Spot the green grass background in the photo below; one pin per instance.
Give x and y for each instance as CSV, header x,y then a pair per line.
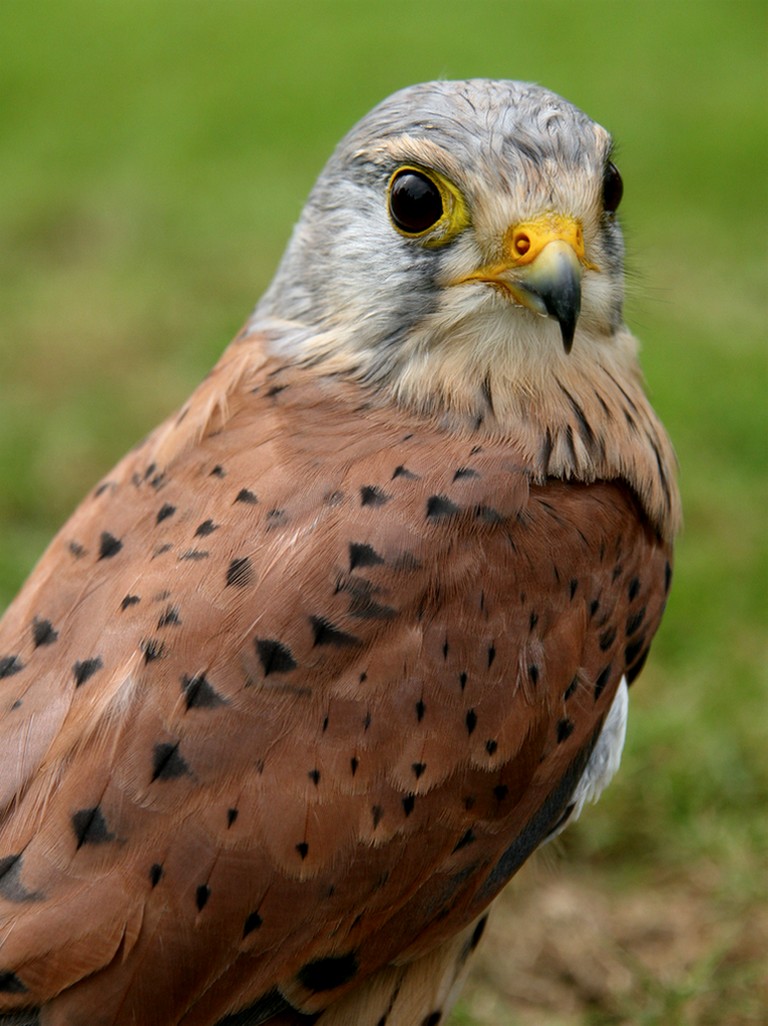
x,y
153,157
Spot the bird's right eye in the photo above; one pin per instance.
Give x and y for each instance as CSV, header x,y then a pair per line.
x,y
415,201
613,188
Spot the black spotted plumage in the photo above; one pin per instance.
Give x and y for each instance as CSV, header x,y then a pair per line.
x,y
314,670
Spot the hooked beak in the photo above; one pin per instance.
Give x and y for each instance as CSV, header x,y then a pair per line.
x,y
541,268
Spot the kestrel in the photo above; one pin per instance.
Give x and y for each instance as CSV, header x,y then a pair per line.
x,y
312,672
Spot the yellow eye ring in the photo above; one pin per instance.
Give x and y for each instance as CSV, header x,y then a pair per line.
x,y
425,205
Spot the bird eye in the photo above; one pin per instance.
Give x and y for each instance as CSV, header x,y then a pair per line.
x,y
613,187
415,202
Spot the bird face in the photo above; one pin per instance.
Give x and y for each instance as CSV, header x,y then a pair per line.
x,y
464,230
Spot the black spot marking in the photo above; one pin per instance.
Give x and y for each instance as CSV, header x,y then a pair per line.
x,y
571,688
464,840
632,672
363,607
11,984
200,693
633,650
541,822
582,424
618,570
491,655
594,605
533,620
11,887
376,815
573,586
491,745
207,527
43,632
361,554
432,1019
464,472
302,849
275,390
634,622
155,874
76,549
607,638
218,471
471,720
408,803
500,792
170,617
633,589
246,496
165,511
193,555
276,518
324,974
109,546
602,679
462,680
546,450
326,634
564,730
275,656
446,649
269,1005
314,776
354,762
420,710
152,649
129,600
439,506
232,815
477,933
418,769
202,894
533,673
239,572
252,922
9,665
90,827
371,495
489,515
402,471
84,670
167,763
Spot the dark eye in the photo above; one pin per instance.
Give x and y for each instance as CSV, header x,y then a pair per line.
x,y
613,188
415,202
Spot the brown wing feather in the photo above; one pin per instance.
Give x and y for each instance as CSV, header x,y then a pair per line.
x,y
292,695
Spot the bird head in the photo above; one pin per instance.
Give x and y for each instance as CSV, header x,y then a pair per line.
x,y
462,232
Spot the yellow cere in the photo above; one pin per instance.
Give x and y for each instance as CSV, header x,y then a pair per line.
x,y
524,242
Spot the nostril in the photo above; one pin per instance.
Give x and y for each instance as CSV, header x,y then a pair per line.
x,y
522,243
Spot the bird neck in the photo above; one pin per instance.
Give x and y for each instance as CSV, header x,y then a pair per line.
x,y
582,416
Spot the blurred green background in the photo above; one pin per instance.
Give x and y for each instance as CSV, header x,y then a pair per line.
x,y
153,157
